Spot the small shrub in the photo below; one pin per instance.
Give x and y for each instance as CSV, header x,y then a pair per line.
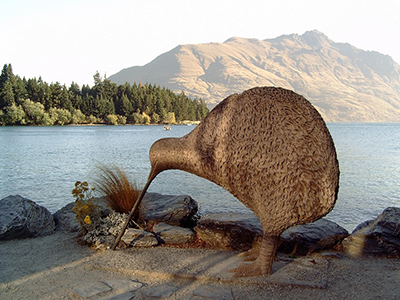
x,y
146,118
119,192
121,120
60,116
87,213
135,118
170,119
78,117
112,119
92,120
155,118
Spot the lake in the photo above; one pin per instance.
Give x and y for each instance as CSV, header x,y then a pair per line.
x,y
43,164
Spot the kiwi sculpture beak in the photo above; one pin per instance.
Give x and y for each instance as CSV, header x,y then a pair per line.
x,y
134,208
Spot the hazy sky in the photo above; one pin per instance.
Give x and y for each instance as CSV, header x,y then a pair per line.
x,y
69,40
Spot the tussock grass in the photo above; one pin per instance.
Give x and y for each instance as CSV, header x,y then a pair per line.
x,y
119,192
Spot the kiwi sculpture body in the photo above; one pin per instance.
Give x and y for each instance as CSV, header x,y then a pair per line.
x,y
271,149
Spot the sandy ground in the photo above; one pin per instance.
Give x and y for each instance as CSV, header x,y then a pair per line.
x,y
56,267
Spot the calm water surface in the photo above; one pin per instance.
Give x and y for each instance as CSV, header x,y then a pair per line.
x,y
43,163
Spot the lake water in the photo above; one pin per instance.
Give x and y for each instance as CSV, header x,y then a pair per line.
x,y
43,163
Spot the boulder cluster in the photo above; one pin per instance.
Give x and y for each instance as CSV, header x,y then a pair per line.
x,y
173,220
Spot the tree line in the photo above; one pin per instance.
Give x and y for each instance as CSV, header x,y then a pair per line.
x,y
35,102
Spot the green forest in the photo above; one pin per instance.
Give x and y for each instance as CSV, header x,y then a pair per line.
x,y
35,102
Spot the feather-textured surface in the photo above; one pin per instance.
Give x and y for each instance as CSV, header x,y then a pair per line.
x,y
270,148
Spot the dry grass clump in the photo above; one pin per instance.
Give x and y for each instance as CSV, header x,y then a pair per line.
x,y
120,193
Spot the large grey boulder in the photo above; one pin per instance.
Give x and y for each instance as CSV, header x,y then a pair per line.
x,y
380,237
23,218
155,208
237,231
319,235
174,210
363,225
65,219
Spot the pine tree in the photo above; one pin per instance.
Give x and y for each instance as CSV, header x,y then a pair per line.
x,y
7,81
44,94
75,95
19,89
65,102
33,90
55,95
6,95
98,89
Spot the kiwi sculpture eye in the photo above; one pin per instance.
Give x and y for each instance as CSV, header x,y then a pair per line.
x,y
271,149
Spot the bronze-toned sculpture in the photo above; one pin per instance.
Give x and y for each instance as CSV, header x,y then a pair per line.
x,y
271,149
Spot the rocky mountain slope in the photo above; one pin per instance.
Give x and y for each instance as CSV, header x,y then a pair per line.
x,y
344,83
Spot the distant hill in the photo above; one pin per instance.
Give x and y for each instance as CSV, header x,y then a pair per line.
x,y
344,83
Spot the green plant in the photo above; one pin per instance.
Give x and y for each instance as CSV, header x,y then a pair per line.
x,y
87,213
119,192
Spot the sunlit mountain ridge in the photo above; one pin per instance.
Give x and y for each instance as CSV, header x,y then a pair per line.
x,y
344,83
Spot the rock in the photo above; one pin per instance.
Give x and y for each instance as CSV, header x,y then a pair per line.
x,y
237,231
23,218
241,232
173,235
123,286
93,289
124,296
120,288
379,238
103,236
104,209
161,291
363,225
113,223
65,219
173,210
319,235
213,292
139,238
329,254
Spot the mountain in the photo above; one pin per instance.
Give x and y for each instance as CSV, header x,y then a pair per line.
x,y
344,83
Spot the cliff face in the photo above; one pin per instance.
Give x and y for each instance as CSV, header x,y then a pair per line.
x,y
344,83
